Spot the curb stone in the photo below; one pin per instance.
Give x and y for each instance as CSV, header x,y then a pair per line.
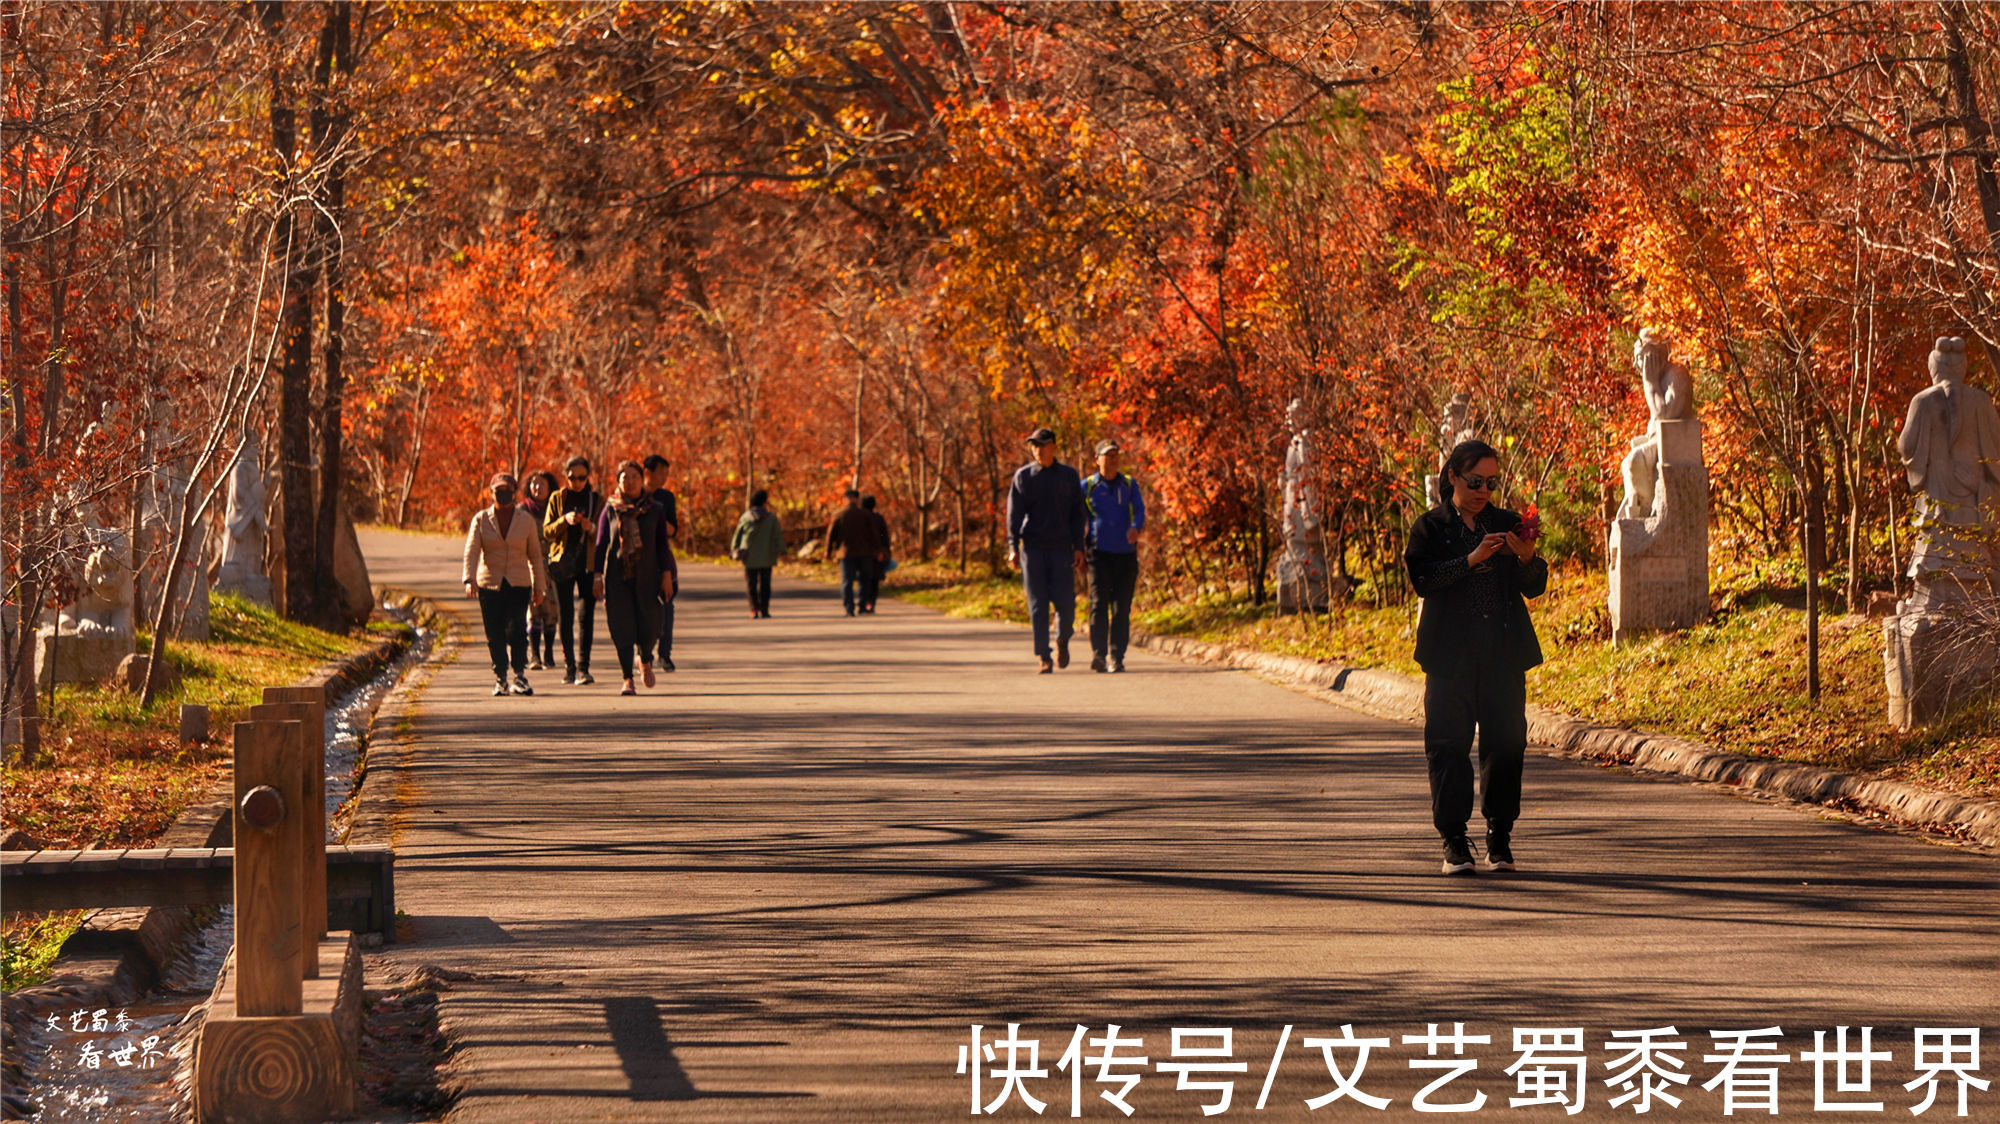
x,y
377,807
1389,694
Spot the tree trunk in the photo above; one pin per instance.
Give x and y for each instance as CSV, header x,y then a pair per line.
x,y
1812,505
330,129
296,595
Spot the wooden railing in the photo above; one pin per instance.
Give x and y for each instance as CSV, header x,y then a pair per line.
x,y
283,1027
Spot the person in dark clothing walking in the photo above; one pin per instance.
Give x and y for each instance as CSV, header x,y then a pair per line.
x,y
656,483
633,567
502,567
757,544
1473,563
543,618
852,532
1116,513
880,570
1045,528
569,532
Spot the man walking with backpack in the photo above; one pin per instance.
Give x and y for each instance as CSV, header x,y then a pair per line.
x,y
1116,513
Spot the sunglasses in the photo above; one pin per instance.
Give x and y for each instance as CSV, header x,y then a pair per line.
x,y
579,476
1481,483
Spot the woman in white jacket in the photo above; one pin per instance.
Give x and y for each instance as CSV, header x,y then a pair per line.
x,y
505,570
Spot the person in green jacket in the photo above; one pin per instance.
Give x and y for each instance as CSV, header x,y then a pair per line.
x,y
757,543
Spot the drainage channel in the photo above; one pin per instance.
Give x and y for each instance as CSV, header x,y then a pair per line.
x,y
127,1065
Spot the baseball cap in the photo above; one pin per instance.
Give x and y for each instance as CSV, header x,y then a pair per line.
x,y
1042,436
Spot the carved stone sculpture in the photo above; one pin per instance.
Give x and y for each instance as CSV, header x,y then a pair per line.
x,y
164,498
1937,651
91,636
1302,581
1659,539
1454,427
246,528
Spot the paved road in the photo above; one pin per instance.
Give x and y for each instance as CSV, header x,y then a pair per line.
x,y
784,886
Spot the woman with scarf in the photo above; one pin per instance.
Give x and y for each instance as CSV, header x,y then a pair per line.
x,y
503,568
757,543
542,617
634,568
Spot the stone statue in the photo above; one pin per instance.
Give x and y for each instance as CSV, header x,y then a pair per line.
x,y
93,634
247,526
1455,426
1659,539
1951,454
166,493
1669,397
1937,654
104,603
1302,584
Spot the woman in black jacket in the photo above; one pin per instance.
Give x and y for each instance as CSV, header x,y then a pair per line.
x,y
1475,643
634,570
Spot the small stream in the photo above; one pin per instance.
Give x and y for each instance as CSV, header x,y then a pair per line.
x,y
126,1065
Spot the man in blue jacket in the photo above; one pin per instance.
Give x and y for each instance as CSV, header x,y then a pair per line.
x,y
1045,533
1116,513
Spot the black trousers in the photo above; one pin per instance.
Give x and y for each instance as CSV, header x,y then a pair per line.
x,y
1495,700
758,578
569,592
504,612
1113,579
667,627
633,616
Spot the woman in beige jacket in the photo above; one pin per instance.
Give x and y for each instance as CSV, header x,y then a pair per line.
x,y
505,570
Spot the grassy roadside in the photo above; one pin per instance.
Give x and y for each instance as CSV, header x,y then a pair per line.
x,y
113,775
1737,683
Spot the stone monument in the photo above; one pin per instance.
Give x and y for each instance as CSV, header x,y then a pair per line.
x,y
246,528
1659,538
91,636
1454,427
1939,649
1302,582
166,494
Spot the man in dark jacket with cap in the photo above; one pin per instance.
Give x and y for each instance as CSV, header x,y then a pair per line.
x,y
1045,527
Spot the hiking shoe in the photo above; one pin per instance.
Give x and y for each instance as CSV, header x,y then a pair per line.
x,y
1097,664
1048,666
1062,654
1499,851
666,663
1117,665
1457,855
569,677
521,685
537,665
646,673
628,689
584,678
499,688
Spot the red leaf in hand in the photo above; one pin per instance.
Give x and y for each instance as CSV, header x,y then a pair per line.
x,y
1531,525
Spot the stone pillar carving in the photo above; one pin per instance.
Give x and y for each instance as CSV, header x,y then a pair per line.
x,y
246,528
1302,581
1943,645
1455,426
1659,539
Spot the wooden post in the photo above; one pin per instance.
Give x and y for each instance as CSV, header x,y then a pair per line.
x,y
312,829
315,766
270,929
